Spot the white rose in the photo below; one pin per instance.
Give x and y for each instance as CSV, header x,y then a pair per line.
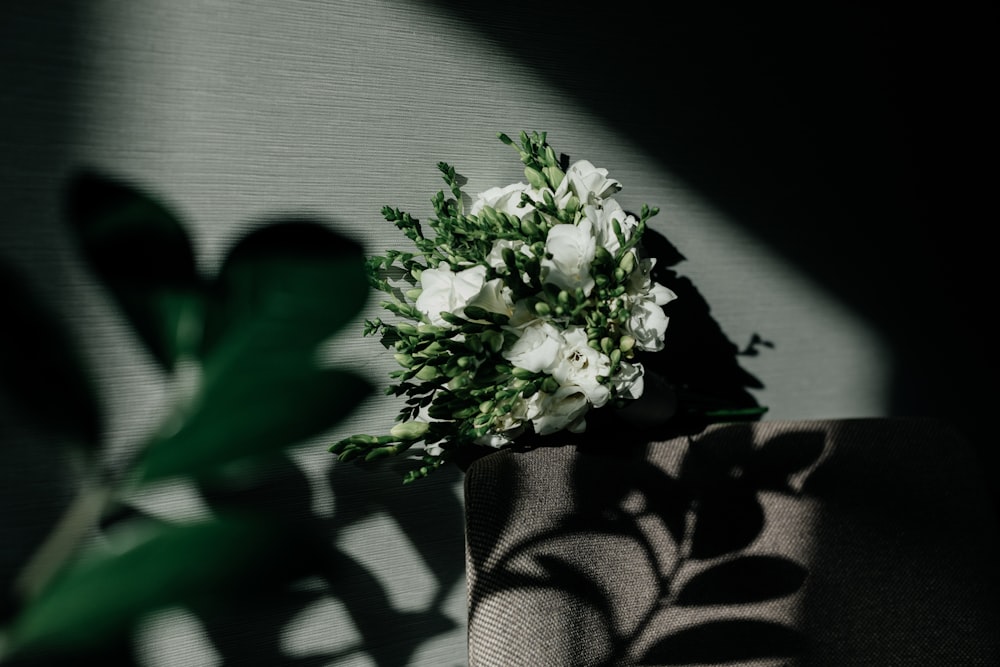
x,y
563,409
572,249
648,324
603,217
579,365
536,348
445,290
506,200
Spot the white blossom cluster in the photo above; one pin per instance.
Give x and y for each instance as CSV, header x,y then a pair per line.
x,y
519,315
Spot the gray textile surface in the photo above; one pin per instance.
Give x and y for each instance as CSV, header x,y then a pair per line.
x,y
841,542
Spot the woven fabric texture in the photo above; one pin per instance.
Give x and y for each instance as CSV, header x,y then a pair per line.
x,y
839,542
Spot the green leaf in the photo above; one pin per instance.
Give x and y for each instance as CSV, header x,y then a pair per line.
x,y
102,596
142,254
40,367
261,406
292,283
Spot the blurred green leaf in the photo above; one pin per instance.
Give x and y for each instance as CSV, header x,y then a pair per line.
x,y
40,368
143,255
254,409
101,597
289,285
281,291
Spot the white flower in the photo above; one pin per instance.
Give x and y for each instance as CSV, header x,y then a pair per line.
x,y
603,218
589,183
506,200
572,249
494,297
661,295
628,381
577,364
563,409
537,346
445,290
647,323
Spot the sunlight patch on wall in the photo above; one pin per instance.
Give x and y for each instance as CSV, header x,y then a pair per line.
x,y
175,638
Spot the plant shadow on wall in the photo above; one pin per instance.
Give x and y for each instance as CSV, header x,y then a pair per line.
x,y
242,348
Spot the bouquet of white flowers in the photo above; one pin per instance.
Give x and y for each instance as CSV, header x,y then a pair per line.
x,y
520,313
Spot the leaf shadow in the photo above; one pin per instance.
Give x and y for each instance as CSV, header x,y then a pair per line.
x,y
630,512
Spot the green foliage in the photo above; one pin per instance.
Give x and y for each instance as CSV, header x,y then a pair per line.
x,y
98,597
248,337
454,371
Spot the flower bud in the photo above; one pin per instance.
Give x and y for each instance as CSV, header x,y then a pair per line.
x,y
572,204
550,385
550,156
458,381
490,214
626,343
427,373
543,309
535,177
627,262
522,373
409,430
555,175
492,339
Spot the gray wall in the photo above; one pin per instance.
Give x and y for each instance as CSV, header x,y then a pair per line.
x,y
802,167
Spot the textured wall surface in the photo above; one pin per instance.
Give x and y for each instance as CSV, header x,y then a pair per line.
x,y
792,166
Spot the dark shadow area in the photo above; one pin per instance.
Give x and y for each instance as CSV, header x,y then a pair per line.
x,y
38,71
905,541
851,138
823,543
